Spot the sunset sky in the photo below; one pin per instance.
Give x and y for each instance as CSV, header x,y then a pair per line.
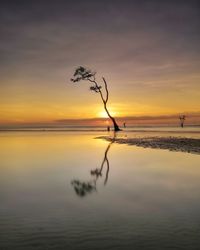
x,y
148,51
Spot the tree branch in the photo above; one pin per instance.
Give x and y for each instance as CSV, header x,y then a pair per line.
x,y
106,88
93,81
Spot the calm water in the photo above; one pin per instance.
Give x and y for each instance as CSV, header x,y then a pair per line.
x,y
144,199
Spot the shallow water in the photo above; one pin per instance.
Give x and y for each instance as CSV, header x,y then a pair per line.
x,y
147,199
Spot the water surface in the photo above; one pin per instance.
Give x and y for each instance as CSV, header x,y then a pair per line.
x,y
150,199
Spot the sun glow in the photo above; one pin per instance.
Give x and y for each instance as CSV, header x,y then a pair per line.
x,y
103,114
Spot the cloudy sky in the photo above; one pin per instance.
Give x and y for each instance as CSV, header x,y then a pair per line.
x,y
149,52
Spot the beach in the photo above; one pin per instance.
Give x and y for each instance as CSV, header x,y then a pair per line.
x,y
179,144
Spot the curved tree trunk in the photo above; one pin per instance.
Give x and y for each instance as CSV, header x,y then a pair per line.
x,y
116,127
105,100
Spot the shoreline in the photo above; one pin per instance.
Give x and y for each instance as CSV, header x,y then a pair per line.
x,y
102,130
176,144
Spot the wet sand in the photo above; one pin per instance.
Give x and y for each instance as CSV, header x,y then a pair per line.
x,y
178,144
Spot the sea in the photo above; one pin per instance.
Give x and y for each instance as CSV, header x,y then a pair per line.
x,y
65,188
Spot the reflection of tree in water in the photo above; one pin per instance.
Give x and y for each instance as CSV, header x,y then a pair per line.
x,y
98,171
82,188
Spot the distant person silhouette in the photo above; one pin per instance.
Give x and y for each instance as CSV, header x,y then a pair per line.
x,y
182,120
124,125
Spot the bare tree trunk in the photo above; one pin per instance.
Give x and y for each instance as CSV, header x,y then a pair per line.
x,y
116,127
105,100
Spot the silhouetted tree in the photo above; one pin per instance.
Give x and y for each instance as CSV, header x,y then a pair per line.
x,y
182,119
82,73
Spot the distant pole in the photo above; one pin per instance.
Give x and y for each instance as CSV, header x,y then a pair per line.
x,y
182,120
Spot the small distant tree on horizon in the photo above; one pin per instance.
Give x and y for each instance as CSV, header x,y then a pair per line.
x,y
81,73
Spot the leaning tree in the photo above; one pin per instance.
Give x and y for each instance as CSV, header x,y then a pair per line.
x,y
82,73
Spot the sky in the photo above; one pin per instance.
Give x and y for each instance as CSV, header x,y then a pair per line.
x,y
148,51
